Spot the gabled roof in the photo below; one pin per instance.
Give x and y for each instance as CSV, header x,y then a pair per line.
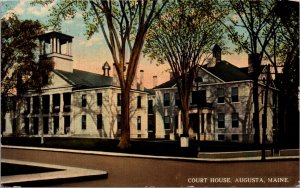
x,y
167,84
227,72
84,80
223,70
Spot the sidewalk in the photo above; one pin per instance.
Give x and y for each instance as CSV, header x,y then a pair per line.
x,y
63,174
204,157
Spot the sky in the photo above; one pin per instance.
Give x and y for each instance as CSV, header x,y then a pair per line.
x,y
90,55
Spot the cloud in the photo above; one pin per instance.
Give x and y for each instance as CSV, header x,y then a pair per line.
x,y
96,39
12,7
20,8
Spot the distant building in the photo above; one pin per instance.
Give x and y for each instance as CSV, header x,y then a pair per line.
x,y
76,102
221,107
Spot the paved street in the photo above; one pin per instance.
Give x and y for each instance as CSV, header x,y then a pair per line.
x,y
130,171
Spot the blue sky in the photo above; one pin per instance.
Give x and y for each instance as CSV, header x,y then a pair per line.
x,y
91,54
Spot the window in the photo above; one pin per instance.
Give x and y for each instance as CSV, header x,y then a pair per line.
x,y
56,124
220,95
139,102
177,100
99,99
235,94
199,97
46,125
36,104
176,122
119,99
3,125
166,99
150,106
221,137
99,121
119,121
35,125
221,122
67,102
56,103
26,122
27,105
14,125
235,137
46,103
235,120
11,104
139,123
83,100
67,122
83,122
167,122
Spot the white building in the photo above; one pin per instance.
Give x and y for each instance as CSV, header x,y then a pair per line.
x,y
221,104
76,102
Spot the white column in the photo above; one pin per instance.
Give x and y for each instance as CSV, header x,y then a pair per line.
x,y
54,45
51,44
58,46
67,48
44,47
61,118
180,131
51,124
70,48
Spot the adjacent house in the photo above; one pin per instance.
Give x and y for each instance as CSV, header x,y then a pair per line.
x,y
221,104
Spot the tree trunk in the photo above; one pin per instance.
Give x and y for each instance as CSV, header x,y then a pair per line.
x,y
256,112
185,120
125,119
17,116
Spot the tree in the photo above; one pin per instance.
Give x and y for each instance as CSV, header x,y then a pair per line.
x,y
182,36
18,61
124,24
251,28
283,53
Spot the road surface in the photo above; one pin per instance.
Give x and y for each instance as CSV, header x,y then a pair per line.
x,y
130,171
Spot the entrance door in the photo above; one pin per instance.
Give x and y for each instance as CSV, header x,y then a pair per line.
x,y
67,124
194,122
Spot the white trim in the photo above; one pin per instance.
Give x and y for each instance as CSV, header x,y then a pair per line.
x,y
212,74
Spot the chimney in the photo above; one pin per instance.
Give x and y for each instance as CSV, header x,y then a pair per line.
x,y
142,80
154,81
217,53
253,60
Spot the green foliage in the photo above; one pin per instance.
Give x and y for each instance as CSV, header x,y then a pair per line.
x,y
19,58
250,24
184,33
19,47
